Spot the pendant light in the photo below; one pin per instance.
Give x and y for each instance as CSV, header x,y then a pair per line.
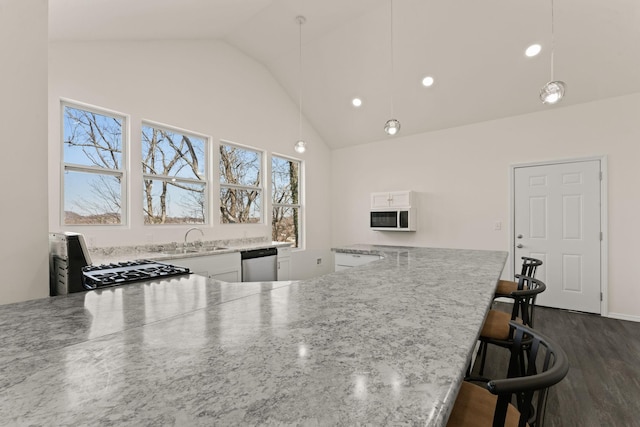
x,y
392,126
553,91
300,146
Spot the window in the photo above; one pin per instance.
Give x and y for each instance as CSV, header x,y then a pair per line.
x,y
93,162
174,175
285,184
240,185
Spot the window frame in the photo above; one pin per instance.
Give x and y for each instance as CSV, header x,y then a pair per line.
x,y
167,178
299,205
96,170
260,189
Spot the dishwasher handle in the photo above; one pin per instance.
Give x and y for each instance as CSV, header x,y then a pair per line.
x,y
258,253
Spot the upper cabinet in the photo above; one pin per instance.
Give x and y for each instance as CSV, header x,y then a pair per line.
x,y
391,199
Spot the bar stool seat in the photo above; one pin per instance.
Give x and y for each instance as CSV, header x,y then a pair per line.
x,y
476,407
505,288
496,325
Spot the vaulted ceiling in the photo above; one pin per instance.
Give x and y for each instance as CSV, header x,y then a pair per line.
x,y
473,49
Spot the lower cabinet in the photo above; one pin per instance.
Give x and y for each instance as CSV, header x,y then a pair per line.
x,y
284,263
349,260
226,267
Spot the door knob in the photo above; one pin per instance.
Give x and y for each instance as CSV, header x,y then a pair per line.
x,y
519,236
519,246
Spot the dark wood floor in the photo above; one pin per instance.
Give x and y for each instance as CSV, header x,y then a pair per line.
x,y
602,387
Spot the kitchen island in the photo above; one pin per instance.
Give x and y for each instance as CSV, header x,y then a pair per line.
x,y
383,343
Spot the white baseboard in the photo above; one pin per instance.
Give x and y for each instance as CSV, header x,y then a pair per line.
x,y
620,316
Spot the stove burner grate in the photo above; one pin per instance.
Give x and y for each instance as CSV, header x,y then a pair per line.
x,y
99,276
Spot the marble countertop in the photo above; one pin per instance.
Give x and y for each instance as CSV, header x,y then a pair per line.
x,y
384,343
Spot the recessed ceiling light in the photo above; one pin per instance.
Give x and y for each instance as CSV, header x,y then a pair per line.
x,y
533,50
356,102
427,81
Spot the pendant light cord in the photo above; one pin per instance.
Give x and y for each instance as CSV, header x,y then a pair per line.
x,y
553,39
301,20
392,67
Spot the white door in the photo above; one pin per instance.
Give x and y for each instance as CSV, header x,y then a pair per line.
x,y
557,220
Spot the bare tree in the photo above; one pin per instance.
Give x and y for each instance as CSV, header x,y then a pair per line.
x,y
285,194
238,168
167,154
98,136
95,140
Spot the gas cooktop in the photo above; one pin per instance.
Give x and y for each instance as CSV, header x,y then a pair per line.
x,y
99,276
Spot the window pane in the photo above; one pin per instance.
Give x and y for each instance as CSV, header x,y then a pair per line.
x,y
284,181
239,166
92,139
285,178
285,225
176,202
91,198
239,206
172,154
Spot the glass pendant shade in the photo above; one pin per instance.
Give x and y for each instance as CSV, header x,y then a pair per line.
x,y
552,92
392,127
300,146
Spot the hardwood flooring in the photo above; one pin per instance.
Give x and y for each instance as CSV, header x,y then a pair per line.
x,y
602,387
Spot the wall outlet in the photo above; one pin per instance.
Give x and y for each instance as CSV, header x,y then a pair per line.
x,y
319,261
497,226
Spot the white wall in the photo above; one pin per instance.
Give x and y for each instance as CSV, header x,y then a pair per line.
x,y
461,177
203,86
23,129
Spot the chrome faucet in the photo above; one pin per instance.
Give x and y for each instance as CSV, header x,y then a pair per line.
x,y
187,234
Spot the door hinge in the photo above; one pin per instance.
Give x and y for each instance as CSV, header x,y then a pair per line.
x,y
601,236
600,176
600,296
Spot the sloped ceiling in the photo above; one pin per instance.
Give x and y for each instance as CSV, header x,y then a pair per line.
x,y
473,49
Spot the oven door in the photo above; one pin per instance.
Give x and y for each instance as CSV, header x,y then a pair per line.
x,y
384,219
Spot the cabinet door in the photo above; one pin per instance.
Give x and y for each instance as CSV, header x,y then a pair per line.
x,y
284,268
226,267
348,260
284,263
400,199
379,200
212,265
229,276
197,265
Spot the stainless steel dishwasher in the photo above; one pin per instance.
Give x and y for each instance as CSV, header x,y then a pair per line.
x,y
259,265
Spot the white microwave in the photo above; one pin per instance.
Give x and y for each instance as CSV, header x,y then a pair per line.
x,y
393,220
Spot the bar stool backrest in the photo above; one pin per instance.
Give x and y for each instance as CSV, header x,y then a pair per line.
x,y
547,365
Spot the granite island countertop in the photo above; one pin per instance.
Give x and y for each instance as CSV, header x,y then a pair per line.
x,y
384,343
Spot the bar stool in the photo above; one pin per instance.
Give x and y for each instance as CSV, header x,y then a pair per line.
x,y
497,328
505,287
492,404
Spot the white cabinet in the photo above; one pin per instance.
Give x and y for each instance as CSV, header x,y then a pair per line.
x,y
344,261
226,267
284,263
391,199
